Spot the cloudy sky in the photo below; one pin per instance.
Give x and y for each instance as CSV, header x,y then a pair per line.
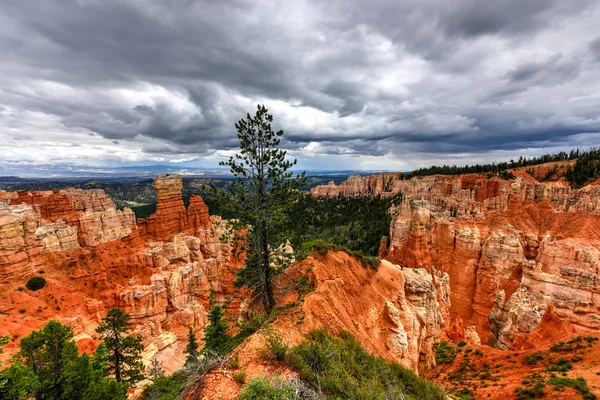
x,y
355,85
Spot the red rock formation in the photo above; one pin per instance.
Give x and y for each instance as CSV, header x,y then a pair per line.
x,y
171,217
197,213
493,235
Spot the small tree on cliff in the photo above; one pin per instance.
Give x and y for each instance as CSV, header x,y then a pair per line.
x,y
216,339
124,352
191,349
260,197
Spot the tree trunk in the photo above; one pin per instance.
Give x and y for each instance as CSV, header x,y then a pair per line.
x,y
269,300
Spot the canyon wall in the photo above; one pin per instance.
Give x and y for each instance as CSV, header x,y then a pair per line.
x,y
165,272
38,221
510,247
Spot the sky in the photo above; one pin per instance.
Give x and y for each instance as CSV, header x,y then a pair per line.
x,y
377,85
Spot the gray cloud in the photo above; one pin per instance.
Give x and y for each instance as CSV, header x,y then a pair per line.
x,y
159,80
595,48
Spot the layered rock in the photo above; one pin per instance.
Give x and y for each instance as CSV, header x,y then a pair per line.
x,y
19,248
399,316
521,237
94,260
357,185
171,216
34,221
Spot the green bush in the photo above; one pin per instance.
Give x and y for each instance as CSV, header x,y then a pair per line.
x,y
276,348
166,387
267,389
36,283
444,353
532,359
560,365
578,384
342,369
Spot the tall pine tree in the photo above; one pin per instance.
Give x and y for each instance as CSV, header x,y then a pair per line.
x,y
124,352
260,196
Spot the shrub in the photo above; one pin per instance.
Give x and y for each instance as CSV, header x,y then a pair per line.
x,y
36,283
578,384
535,392
340,368
444,354
234,363
20,288
276,348
239,377
560,365
166,387
532,359
267,389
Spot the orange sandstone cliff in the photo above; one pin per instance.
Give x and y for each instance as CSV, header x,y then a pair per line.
x,y
95,257
510,247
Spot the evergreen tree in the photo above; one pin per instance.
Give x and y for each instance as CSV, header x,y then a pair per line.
x,y
47,353
216,339
19,382
191,349
259,197
124,352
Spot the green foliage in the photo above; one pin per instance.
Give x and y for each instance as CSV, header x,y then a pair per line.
x,y
18,382
48,367
320,246
532,359
499,169
47,352
444,353
578,384
166,387
586,168
560,365
216,339
267,389
124,360
36,283
341,369
260,197
191,349
534,392
239,377
276,349
355,223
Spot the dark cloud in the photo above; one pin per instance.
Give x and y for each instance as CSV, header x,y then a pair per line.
x,y
136,80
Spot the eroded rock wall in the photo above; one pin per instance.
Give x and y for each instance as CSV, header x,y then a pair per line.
x,y
520,237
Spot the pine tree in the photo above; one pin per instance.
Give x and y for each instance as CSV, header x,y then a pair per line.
x,y
47,352
216,339
124,352
191,349
260,197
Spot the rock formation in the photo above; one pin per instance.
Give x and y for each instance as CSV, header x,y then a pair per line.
x,y
400,314
532,241
94,258
32,222
171,216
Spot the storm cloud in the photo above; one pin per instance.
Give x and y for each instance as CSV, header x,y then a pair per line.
x,y
383,85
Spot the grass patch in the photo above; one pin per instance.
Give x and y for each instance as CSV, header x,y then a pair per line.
x,y
342,369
